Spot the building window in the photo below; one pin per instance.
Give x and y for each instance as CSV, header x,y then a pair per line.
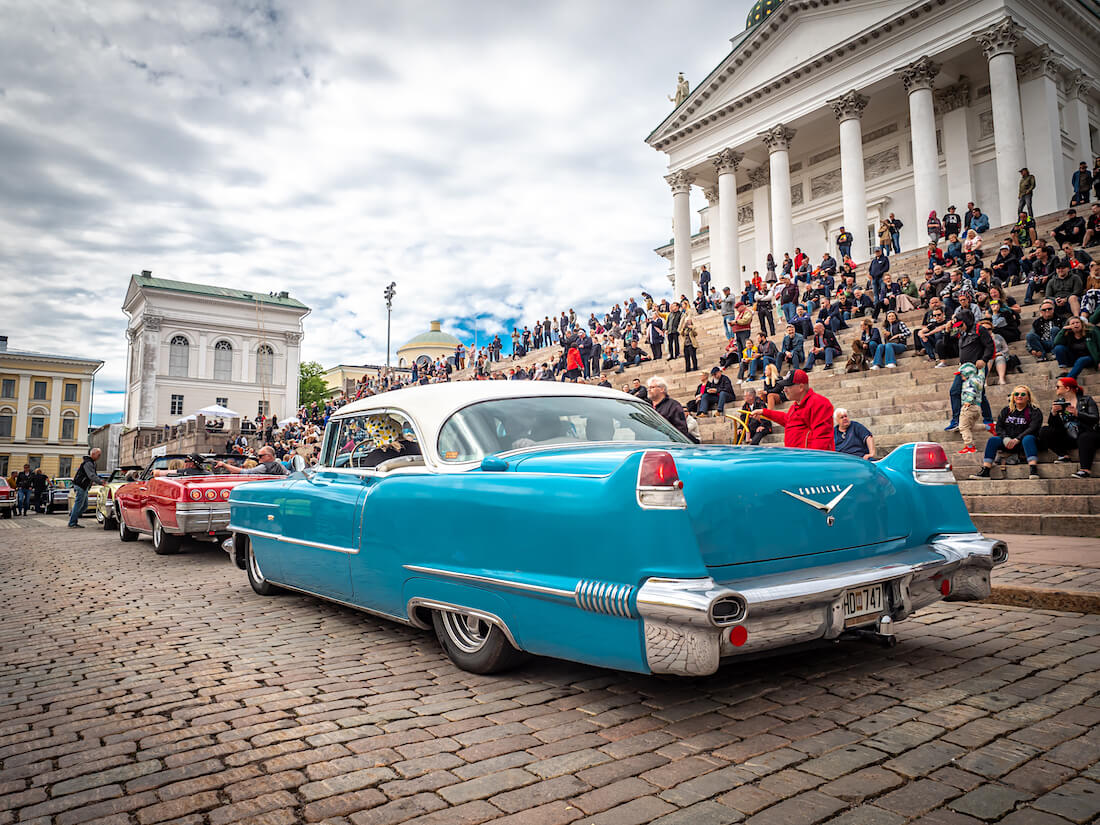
x,y
6,419
176,407
65,466
179,351
4,465
7,388
222,401
39,391
223,361
38,427
265,365
263,408
70,392
68,428
35,461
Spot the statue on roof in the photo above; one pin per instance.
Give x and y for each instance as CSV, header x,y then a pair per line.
x,y
682,90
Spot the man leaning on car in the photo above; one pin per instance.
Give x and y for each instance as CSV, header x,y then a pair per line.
x,y
86,475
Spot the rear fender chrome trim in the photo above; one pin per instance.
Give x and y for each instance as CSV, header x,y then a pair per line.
x,y
431,604
248,531
473,577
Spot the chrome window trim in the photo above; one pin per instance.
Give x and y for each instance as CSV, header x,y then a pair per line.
x,y
248,531
473,577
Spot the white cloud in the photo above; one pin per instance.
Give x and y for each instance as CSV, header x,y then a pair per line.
x,y
487,156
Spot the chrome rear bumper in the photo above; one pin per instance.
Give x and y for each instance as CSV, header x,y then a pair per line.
x,y
685,635
203,518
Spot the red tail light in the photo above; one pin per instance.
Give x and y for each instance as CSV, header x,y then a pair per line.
x,y
930,464
196,495
930,457
225,494
211,495
658,470
659,486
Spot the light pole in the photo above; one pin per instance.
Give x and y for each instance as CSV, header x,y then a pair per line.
x,y
388,293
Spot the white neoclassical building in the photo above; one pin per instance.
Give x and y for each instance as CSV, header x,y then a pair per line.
x,y
838,112
194,345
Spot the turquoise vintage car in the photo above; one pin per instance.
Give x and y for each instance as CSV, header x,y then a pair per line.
x,y
572,521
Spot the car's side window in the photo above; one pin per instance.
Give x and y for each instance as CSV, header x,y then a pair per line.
x,y
370,440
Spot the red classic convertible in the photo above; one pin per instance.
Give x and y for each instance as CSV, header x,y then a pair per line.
x,y
178,496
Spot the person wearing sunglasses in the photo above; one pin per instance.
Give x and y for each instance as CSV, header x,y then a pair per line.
x,y
1018,428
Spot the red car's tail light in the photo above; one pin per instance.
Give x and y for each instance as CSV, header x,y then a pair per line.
x,y
225,494
196,495
211,495
659,486
930,464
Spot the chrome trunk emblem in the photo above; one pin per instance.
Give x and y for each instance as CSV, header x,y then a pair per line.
x,y
827,509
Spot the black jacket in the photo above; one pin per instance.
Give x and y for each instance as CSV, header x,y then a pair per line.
x,y
976,346
1013,423
673,413
85,475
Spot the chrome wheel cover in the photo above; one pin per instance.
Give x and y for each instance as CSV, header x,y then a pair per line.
x,y
254,566
468,633
158,532
121,524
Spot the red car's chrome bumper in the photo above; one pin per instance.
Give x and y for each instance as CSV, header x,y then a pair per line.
x,y
200,517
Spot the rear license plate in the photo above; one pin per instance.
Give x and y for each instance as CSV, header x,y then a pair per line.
x,y
862,603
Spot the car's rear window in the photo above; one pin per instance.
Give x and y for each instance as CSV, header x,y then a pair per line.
x,y
515,423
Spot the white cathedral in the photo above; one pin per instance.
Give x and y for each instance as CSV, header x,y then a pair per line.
x,y
830,113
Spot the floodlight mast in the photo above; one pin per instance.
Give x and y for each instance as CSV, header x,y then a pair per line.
x,y
388,294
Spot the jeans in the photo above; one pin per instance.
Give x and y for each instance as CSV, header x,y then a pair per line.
x,y
22,500
796,358
673,345
706,398
1025,200
1028,444
879,289
930,343
1065,359
828,354
767,320
895,239
762,361
888,352
845,250
727,323
956,402
79,505
1037,344
788,311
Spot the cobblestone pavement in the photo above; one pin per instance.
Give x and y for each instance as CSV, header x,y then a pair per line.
x,y
1052,562
143,689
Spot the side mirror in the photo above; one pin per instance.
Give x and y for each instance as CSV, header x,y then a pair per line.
x,y
493,464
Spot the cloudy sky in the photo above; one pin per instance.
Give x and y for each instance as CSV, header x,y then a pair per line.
x,y
486,156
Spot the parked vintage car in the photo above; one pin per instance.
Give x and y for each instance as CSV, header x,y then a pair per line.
x,y
7,499
58,495
489,521
178,504
105,500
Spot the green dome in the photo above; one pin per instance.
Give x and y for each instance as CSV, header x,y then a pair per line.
x,y
760,10
433,337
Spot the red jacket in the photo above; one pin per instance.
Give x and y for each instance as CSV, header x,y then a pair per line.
x,y
573,360
808,423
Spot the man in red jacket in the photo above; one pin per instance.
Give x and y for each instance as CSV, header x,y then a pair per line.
x,y
809,421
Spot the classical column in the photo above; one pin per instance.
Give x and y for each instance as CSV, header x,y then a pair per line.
x,y
778,140
22,409
1078,90
293,358
849,111
714,226
84,420
150,366
1038,72
725,164
760,178
917,78
54,432
204,345
998,43
953,103
680,183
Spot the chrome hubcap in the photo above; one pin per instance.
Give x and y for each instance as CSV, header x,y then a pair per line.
x,y
157,533
121,524
467,633
254,566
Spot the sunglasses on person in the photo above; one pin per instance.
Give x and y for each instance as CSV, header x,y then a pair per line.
x,y
1020,395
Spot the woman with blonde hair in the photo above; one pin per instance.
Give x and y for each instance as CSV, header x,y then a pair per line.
x,y
774,391
1017,430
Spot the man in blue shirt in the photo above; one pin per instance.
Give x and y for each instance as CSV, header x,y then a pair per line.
x,y
851,437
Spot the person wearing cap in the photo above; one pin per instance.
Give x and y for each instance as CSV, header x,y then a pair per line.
x,y
1073,423
979,221
1027,189
192,466
952,222
1082,183
844,243
1071,230
879,266
808,423
1006,265
267,465
717,389
1065,289
1024,229
728,311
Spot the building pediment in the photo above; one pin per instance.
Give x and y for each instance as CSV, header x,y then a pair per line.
x,y
798,37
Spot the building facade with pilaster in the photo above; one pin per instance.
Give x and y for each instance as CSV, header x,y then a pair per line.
x,y
830,113
193,345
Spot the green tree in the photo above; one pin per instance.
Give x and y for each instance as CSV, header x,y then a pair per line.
x,y
311,386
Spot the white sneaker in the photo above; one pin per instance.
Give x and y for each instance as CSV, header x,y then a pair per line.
x,y
891,366
940,364
874,366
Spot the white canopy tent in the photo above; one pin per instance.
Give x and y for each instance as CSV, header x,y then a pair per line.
x,y
218,411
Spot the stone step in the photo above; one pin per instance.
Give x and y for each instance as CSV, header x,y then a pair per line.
x,y
1045,486
1007,474
1023,504
1037,524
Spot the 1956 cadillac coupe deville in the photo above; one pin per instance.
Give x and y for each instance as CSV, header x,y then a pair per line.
x,y
572,521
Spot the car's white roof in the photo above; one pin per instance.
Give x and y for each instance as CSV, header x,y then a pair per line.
x,y
431,405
